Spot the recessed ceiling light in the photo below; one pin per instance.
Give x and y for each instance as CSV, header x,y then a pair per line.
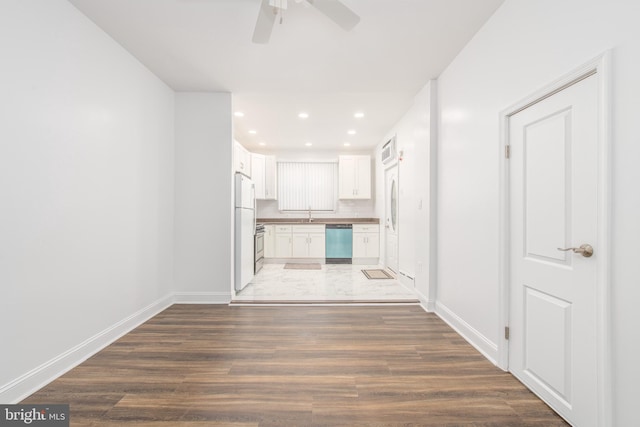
x,y
358,115
308,144
303,115
351,132
253,132
346,144
238,114
262,143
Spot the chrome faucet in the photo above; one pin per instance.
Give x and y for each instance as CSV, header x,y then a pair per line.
x,y
310,219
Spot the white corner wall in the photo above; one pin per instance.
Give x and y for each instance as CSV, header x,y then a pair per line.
x,y
86,192
203,215
415,137
523,47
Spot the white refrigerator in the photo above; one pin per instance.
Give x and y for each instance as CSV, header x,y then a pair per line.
x,y
245,230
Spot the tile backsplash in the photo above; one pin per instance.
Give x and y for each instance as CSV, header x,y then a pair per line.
x,y
345,209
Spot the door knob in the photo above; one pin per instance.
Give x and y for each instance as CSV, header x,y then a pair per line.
x,y
586,250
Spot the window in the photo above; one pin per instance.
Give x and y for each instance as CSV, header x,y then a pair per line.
x,y
303,186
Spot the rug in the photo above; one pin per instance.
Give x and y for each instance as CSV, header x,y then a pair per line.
x,y
377,274
307,266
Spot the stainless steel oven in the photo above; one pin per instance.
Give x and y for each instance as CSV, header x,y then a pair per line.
x,y
259,248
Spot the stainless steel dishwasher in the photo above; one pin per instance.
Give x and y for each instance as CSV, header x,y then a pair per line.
x,y
338,244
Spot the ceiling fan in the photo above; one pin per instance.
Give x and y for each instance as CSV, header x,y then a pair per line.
x,y
271,9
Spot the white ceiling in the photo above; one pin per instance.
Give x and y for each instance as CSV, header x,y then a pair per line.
x,y
310,64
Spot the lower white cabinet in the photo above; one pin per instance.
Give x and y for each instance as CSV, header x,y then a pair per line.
x,y
269,241
316,245
308,241
366,240
300,245
283,243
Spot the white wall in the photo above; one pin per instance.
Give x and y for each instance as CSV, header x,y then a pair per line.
x,y
415,138
525,46
203,215
86,191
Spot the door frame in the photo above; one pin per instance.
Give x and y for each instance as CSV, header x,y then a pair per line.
x,y
601,65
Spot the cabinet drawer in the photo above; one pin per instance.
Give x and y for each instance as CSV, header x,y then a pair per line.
x,y
315,228
283,229
366,228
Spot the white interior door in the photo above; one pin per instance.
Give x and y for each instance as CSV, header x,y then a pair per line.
x,y
554,205
391,219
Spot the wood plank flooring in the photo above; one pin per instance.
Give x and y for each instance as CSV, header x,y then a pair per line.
x,y
213,365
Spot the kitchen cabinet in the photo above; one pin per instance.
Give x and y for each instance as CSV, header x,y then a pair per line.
x,y
308,241
270,178
269,241
257,174
283,242
241,159
354,177
263,174
366,240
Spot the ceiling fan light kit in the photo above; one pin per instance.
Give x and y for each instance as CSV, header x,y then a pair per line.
x,y
335,10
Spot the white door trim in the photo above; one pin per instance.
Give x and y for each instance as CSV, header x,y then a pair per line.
x,y
601,66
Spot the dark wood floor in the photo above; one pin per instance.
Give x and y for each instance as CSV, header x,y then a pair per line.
x,y
205,365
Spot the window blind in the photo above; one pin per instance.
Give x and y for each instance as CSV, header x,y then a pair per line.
x,y
306,185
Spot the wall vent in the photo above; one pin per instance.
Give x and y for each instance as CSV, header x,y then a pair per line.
x,y
388,154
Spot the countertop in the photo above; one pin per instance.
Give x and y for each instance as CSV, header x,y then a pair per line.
x,y
319,221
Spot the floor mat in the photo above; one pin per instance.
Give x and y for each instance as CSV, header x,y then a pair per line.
x,y
307,266
377,274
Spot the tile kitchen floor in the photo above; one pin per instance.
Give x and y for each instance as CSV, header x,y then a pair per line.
x,y
334,282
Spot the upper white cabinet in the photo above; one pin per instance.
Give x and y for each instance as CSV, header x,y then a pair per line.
x,y
257,174
263,173
354,176
270,178
241,159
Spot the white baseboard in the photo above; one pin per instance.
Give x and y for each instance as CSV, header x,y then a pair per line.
x,y
485,346
27,384
365,261
202,297
427,305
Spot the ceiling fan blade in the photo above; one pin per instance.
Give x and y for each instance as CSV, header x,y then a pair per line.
x,y
337,12
264,24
